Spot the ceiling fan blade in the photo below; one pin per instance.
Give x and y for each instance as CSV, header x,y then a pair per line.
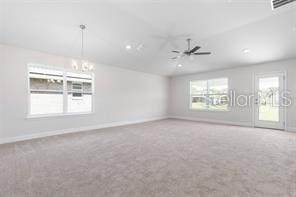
x,y
194,49
203,53
176,51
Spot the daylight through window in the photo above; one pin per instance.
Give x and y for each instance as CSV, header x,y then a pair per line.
x,y
209,94
54,91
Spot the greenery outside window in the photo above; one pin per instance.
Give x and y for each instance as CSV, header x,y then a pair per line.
x,y
209,94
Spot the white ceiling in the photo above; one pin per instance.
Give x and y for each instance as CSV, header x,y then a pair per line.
x,y
224,27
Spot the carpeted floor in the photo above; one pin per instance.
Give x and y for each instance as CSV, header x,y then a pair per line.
x,y
169,158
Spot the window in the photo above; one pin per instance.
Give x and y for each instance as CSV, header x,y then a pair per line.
x,y
46,91
55,91
209,94
79,89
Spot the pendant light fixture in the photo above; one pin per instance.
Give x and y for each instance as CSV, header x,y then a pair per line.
x,y
83,64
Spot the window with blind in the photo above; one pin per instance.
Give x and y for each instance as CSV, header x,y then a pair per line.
x,y
57,91
209,94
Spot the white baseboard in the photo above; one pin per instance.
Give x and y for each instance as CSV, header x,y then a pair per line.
x,y
291,129
74,130
122,123
243,124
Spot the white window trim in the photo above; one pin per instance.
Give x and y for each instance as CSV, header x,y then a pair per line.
x,y
207,95
65,100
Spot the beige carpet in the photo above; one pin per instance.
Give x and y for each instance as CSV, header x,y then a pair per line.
x,y
169,158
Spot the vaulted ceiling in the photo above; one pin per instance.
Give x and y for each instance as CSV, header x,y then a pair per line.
x,y
154,28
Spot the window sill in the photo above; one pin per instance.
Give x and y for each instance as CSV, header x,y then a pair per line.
x,y
58,115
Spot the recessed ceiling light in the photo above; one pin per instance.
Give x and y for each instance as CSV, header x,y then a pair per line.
x,y
246,50
128,47
179,65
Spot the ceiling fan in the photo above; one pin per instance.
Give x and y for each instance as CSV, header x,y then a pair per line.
x,y
190,51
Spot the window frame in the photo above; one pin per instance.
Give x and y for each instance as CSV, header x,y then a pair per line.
x,y
64,92
207,95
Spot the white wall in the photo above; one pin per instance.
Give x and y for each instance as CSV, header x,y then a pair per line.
x,y
120,95
142,96
240,80
1,91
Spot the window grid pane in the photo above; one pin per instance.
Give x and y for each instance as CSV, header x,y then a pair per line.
x,y
218,86
199,102
46,103
79,93
198,87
